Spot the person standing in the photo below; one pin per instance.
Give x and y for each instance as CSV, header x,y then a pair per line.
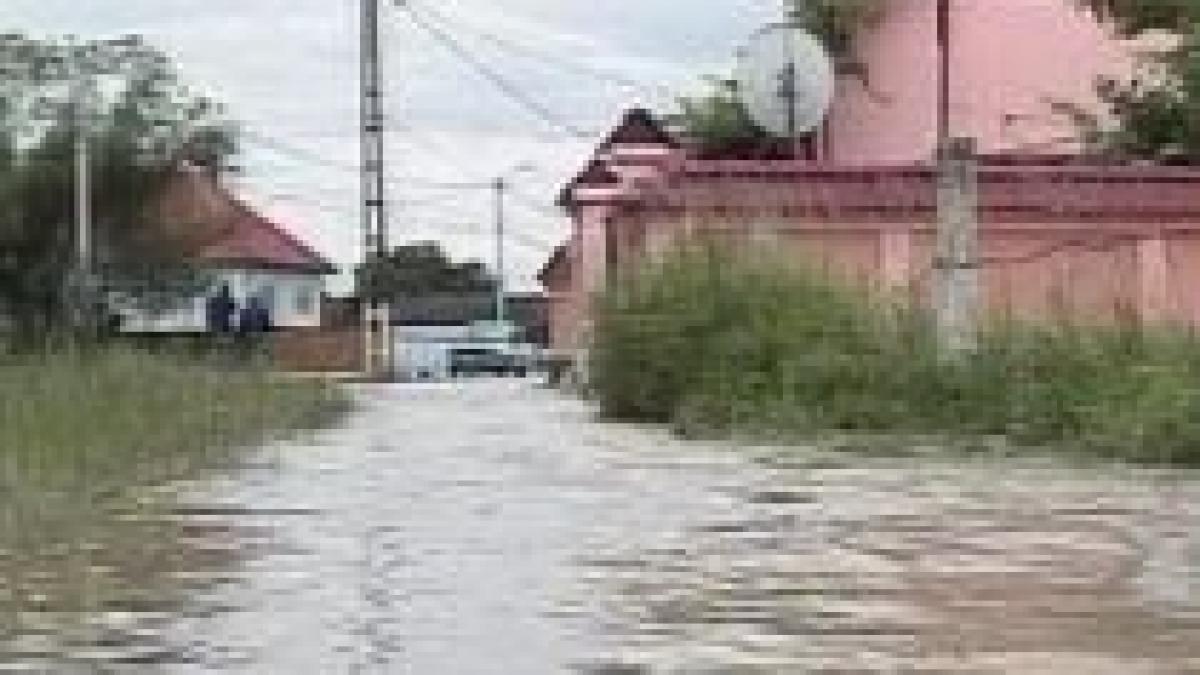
x,y
254,322
220,310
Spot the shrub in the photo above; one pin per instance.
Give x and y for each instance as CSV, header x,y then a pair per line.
x,y
719,342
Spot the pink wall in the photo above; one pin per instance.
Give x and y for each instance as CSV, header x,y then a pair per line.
x,y
1092,242
1009,58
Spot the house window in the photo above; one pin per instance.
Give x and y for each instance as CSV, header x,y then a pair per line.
x,y
305,299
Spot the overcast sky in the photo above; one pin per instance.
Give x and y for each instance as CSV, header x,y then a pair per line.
x,y
288,72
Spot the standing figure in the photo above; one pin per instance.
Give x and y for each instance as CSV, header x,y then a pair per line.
x,y
255,317
262,316
220,310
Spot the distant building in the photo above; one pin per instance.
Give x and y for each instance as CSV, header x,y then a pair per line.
x,y
235,246
431,333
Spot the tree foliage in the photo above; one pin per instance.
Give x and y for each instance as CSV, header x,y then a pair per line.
x,y
1132,17
141,124
422,269
838,24
717,120
1157,112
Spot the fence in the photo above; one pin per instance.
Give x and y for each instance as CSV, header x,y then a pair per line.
x,y
337,350
1057,237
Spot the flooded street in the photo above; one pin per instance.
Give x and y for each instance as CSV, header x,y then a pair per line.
x,y
496,528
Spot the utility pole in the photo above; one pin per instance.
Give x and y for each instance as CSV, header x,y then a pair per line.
x,y
377,352
81,286
500,185
787,76
787,92
943,39
956,300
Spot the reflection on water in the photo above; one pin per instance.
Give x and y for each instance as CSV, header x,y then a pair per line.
x,y
86,585
893,566
495,528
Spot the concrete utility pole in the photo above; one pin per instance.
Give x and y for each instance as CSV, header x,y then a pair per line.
x,y
500,185
81,286
83,220
787,78
943,38
377,356
956,300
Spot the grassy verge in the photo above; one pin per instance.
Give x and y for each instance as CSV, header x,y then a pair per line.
x,y
720,343
80,436
98,422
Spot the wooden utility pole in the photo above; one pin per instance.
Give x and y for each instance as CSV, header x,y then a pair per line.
x,y
956,301
377,356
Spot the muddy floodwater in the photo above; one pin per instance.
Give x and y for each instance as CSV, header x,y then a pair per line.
x,y
495,527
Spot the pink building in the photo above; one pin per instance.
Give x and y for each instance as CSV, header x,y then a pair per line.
x,y
1007,61
1057,234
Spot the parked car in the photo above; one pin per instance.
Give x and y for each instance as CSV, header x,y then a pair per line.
x,y
488,361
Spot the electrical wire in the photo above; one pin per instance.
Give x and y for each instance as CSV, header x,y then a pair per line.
x,y
504,85
309,157
526,239
546,57
519,198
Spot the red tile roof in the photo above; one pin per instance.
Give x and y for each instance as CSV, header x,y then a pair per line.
x,y
215,228
253,240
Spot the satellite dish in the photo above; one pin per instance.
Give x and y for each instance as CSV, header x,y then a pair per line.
x,y
785,79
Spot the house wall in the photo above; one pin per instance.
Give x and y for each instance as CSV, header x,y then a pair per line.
x,y
560,306
294,300
1009,59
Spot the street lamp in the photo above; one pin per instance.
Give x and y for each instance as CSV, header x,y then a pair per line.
x,y
500,187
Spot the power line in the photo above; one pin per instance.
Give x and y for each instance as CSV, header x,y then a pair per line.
x,y
323,199
508,88
520,198
310,158
307,156
313,198
549,58
296,152
531,244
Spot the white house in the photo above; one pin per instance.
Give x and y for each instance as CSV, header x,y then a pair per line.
x,y
238,247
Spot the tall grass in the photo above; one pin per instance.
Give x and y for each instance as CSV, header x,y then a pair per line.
x,y
80,435
718,342
104,420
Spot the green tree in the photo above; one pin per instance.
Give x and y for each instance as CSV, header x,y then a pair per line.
x,y
1132,17
717,121
422,269
141,123
837,24
1157,111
